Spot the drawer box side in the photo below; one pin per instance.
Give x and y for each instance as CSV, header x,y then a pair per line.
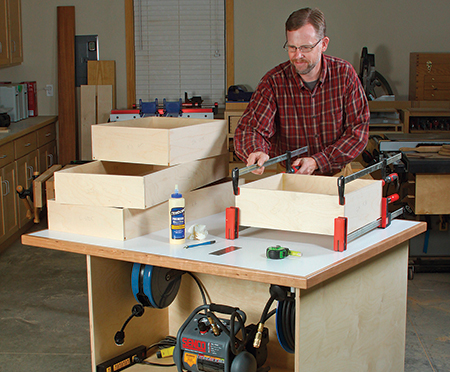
x,y
188,176
161,141
124,223
206,140
89,220
99,189
135,145
307,203
288,211
136,186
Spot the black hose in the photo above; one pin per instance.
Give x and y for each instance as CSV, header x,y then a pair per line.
x,y
287,321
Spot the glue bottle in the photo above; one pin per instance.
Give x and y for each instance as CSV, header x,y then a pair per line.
x,y
177,218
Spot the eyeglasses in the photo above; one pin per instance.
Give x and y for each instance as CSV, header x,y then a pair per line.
x,y
302,48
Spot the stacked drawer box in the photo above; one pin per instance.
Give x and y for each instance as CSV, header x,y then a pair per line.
x,y
124,192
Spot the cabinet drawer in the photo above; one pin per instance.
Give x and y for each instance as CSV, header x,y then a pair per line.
x,y
436,94
233,120
46,134
25,145
428,193
6,154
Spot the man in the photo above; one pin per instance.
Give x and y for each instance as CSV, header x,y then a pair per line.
x,y
312,100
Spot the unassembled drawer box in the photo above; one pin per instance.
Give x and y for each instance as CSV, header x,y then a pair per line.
x,y
124,223
294,202
137,186
160,141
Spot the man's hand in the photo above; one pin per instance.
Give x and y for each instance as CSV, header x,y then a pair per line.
x,y
258,158
307,165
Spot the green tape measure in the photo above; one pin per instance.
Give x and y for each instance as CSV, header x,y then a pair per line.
x,y
278,252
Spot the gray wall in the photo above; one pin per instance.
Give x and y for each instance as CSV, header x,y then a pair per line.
x,y
391,29
104,18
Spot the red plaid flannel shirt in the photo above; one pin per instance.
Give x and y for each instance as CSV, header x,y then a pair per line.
x,y
283,115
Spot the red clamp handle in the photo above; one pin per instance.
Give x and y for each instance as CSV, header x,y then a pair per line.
x,y
392,198
385,215
391,178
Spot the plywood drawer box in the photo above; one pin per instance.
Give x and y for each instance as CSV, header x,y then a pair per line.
x,y
295,202
160,141
123,223
137,186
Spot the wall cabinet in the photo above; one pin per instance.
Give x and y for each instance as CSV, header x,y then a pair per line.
x,y
11,50
28,147
429,77
233,112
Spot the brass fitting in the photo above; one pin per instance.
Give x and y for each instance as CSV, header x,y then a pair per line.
x,y
258,336
214,327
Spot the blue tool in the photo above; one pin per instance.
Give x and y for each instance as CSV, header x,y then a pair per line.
x,y
199,244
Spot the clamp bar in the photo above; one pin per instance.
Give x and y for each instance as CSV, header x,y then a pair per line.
x,y
380,165
235,173
275,160
373,168
372,226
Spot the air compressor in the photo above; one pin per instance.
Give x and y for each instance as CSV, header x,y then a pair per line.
x,y
206,343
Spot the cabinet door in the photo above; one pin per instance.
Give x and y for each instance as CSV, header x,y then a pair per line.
x,y
4,191
9,200
4,34
25,168
15,31
47,156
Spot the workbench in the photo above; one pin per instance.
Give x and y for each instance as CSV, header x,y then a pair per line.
x,y
350,306
426,189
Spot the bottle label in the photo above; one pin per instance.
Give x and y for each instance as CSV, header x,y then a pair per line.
x,y
177,224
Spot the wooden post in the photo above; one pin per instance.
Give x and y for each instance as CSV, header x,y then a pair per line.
x,y
66,84
96,104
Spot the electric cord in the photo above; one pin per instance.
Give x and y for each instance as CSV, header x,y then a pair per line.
x,y
166,342
137,311
201,287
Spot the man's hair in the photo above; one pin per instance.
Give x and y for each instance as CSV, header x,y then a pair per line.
x,y
302,17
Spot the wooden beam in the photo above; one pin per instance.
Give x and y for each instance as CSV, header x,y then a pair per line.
x,y
130,57
66,84
229,32
103,73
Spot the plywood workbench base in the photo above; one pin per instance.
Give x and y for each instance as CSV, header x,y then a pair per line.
x,y
353,322
351,305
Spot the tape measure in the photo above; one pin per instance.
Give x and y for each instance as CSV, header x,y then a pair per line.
x,y
278,252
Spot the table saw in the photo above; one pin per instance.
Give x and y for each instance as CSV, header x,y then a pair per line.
x,y
427,181
424,187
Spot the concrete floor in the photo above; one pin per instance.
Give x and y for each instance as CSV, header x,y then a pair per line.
x,y
44,323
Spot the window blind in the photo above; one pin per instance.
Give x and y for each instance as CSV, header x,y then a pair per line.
x,y
180,47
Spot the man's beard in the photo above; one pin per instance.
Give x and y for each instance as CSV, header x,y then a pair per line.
x,y
308,68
